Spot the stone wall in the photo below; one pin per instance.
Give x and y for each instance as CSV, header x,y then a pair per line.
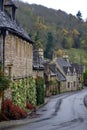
x,y
71,83
38,73
18,57
63,86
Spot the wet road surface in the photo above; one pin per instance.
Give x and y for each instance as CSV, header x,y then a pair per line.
x,y
65,112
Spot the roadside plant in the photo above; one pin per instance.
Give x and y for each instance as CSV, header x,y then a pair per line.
x,y
4,81
12,111
40,90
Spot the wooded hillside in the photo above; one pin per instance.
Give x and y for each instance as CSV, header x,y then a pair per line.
x,y
53,29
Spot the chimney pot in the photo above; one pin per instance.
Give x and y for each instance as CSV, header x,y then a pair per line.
x,y
1,5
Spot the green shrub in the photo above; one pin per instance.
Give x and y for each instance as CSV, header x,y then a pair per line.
x,y
40,90
4,81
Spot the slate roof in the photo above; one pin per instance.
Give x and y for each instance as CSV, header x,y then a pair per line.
x,y
79,68
71,69
62,62
65,69
65,65
52,73
55,72
12,26
9,3
53,68
61,77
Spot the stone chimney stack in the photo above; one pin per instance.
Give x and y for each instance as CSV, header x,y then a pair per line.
x,y
65,56
1,5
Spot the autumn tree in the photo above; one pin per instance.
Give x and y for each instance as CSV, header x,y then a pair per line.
x,y
67,42
59,53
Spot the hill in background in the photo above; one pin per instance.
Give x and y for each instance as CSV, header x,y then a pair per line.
x,y
53,29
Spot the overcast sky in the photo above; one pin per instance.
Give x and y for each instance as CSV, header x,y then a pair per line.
x,y
69,6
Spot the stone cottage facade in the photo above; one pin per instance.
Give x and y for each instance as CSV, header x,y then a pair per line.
x,y
16,53
55,81
16,47
73,73
69,76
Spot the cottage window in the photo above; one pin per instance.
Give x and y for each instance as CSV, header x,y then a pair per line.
x,y
74,83
68,84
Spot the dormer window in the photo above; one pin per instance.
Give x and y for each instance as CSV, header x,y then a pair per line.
x,y
10,8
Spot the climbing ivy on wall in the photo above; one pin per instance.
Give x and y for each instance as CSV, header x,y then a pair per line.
x,y
24,90
4,81
31,91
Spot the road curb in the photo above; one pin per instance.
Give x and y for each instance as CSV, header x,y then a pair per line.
x,y
12,123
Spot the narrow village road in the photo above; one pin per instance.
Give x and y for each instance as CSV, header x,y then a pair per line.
x,y
65,112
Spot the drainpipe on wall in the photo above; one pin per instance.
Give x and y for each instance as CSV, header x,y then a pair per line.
x,y
4,35
3,59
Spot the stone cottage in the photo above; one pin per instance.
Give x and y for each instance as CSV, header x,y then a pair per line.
x,y
69,76
16,47
73,73
55,81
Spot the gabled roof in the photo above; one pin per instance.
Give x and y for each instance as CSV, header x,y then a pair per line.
x,y
79,68
65,66
55,72
65,69
63,62
68,69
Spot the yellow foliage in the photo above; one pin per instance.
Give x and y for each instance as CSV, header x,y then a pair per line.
x,y
75,32
59,53
40,23
65,32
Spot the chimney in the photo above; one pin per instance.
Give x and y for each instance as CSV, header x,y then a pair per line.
x,y
13,12
9,4
1,5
